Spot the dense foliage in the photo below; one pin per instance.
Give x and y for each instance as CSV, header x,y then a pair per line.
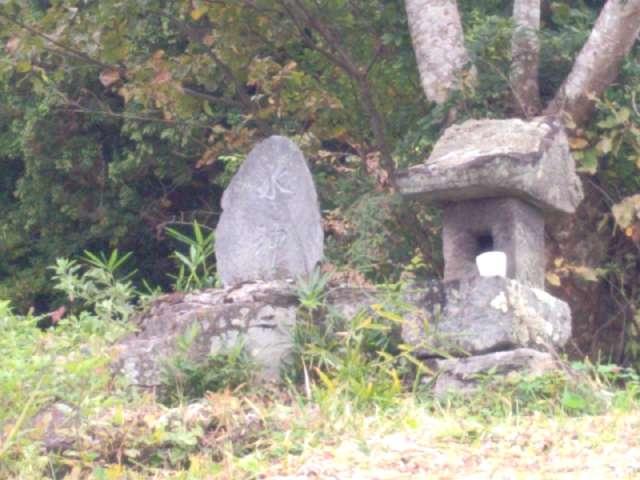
x,y
64,415
119,118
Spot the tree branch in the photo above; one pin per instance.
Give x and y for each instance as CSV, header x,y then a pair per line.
x,y
598,63
525,52
227,73
438,42
302,18
65,49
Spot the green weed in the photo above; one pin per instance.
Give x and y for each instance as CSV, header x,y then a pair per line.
x,y
360,360
68,364
96,285
581,389
195,270
185,380
311,290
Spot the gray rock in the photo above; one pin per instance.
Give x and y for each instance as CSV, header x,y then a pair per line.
x,y
482,315
270,226
497,158
260,315
471,317
463,375
505,224
56,426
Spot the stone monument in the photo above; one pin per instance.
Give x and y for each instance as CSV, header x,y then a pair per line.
x,y
496,181
270,226
270,233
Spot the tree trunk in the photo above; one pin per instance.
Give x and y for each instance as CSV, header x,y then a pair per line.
x,y
438,42
574,240
525,50
598,63
598,320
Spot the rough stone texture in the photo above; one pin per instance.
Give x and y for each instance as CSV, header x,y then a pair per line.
x,y
462,375
482,315
471,317
270,226
525,54
261,315
499,158
438,42
511,226
56,425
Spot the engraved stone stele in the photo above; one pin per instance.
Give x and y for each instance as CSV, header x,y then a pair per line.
x,y
271,227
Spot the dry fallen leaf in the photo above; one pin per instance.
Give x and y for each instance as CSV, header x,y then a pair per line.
x,y
198,13
627,211
161,77
553,279
12,45
578,143
109,77
57,314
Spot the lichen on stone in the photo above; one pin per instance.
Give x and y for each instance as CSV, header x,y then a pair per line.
x,y
500,303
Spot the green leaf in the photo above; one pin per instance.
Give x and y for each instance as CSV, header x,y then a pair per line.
x,y
623,115
206,106
608,123
186,261
573,401
23,66
588,162
561,12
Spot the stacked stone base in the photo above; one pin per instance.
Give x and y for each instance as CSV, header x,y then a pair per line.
x,y
479,325
259,315
465,375
485,325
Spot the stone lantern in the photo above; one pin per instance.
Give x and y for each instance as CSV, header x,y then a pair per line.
x,y
496,181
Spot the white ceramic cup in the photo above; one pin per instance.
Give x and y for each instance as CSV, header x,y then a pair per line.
x,y
492,264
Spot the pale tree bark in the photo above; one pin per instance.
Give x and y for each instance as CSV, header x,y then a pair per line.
x,y
598,63
438,42
525,53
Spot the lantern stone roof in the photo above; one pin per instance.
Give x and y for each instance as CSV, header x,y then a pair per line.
x,y
526,159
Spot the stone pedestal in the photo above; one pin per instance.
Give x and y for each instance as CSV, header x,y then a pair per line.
x,y
464,375
483,315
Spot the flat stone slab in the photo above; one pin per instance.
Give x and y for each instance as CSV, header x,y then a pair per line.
x,y
262,317
270,227
259,315
465,375
482,315
497,158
